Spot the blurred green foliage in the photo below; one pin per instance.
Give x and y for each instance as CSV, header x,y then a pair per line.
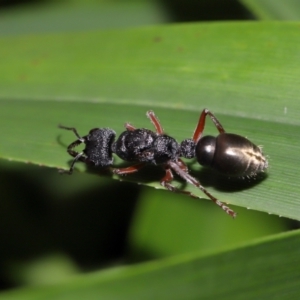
x,y
55,227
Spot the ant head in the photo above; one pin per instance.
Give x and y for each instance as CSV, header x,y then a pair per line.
x,y
98,148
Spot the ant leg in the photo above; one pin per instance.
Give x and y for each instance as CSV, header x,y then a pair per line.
x,y
166,182
190,179
73,145
201,123
77,157
128,170
182,165
74,130
129,127
154,120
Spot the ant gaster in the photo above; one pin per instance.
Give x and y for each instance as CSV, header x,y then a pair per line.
x,y
230,154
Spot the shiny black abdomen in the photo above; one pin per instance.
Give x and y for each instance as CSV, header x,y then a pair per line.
x,y
231,154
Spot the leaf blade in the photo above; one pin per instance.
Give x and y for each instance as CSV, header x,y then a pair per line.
x,y
74,79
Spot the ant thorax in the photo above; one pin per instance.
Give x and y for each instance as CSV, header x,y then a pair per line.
x,y
143,145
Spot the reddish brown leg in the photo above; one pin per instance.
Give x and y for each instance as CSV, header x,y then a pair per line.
x,y
128,170
154,120
129,127
182,165
201,123
190,179
166,182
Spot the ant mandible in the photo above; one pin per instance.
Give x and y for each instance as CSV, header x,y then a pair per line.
x,y
228,153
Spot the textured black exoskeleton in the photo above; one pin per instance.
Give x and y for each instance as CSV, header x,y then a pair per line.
x,y
144,145
97,151
230,154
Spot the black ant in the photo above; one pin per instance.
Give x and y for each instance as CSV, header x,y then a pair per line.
x,y
228,153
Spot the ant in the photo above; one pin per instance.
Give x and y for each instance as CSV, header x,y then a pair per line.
x,y
230,154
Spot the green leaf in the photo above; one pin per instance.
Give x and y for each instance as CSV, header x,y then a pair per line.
x,y
78,15
274,10
258,270
246,73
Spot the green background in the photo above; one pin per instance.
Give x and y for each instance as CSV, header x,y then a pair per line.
x,y
100,64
